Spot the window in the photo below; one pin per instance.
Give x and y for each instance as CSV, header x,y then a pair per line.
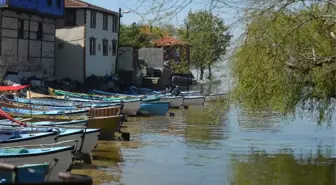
x,y
105,47
39,33
93,19
59,3
70,17
21,29
49,2
92,46
114,47
114,23
105,22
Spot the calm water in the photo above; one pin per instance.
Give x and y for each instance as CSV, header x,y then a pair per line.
x,y
196,148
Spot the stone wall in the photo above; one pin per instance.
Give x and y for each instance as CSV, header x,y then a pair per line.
x,y
28,55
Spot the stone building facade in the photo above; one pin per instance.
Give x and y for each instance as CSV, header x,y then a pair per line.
x,y
27,39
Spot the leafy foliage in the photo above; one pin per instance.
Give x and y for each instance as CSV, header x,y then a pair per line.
x,y
131,35
208,38
287,60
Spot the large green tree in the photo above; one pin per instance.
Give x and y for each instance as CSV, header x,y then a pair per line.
x,y
208,37
287,61
131,35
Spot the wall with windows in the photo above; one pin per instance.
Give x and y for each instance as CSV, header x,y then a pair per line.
x,y
101,43
70,45
27,44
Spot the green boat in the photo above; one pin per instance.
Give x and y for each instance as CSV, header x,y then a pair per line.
x,y
90,97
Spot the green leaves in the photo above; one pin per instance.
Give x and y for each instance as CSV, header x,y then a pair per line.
x,y
208,37
282,63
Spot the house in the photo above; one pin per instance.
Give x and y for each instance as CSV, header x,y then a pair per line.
x,y
27,36
86,41
173,49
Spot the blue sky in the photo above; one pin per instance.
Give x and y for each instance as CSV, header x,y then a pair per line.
x,y
131,17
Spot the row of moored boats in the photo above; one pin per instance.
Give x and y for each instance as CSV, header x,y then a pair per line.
x,y
42,134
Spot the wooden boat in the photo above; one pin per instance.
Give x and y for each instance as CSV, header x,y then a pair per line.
x,y
59,102
93,111
84,140
115,99
135,91
155,108
59,158
108,125
30,94
9,138
174,101
193,100
129,108
18,111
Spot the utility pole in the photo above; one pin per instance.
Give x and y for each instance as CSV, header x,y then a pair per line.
x,y
188,56
117,57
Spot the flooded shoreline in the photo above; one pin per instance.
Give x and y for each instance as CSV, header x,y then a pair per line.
x,y
192,148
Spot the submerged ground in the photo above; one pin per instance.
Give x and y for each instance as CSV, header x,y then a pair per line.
x,y
195,148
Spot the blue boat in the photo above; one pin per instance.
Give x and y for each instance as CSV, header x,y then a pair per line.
x,y
155,108
66,104
17,111
145,91
27,173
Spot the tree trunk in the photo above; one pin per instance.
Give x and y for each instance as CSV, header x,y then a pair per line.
x,y
209,69
202,73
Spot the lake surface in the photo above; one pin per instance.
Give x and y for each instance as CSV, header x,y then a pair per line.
x,y
206,146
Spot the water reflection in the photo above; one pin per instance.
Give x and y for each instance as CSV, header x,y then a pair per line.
x,y
106,164
285,167
262,121
212,145
206,125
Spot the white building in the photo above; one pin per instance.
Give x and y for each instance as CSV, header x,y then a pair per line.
x,y
86,41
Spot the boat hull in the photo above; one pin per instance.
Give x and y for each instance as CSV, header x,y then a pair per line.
x,y
108,126
214,97
193,100
131,108
75,137
59,160
45,138
155,108
174,102
90,141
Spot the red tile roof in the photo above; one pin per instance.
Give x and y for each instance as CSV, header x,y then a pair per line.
x,y
168,41
82,4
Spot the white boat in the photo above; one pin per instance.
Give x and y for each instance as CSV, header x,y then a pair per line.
x,y
131,107
174,101
214,97
59,158
193,100
84,140
9,138
191,93
90,141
